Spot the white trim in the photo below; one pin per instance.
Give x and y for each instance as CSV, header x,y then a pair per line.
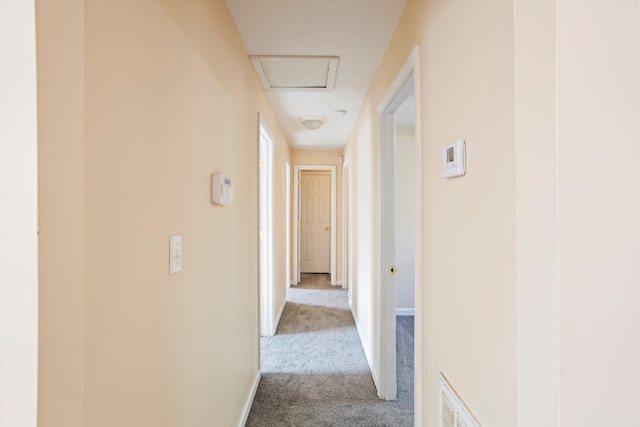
x,y
395,95
418,386
341,284
287,214
346,230
249,402
296,225
296,218
18,215
345,224
405,311
267,314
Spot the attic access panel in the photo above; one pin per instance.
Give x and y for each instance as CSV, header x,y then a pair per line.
x,y
316,73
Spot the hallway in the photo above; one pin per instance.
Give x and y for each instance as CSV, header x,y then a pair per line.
x,y
129,297
314,371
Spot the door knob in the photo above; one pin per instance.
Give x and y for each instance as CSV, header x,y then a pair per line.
x,y
393,270
327,228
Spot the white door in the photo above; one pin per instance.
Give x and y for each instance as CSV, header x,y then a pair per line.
x,y
315,222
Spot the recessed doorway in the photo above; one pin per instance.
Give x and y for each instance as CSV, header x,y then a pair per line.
x,y
314,220
400,228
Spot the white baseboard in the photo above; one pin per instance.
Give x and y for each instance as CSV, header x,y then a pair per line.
x,y
249,402
339,283
366,353
292,282
405,311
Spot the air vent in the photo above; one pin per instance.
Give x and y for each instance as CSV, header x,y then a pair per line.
x,y
316,73
453,411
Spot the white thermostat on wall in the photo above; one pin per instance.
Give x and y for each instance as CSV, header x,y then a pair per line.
x,y
453,160
221,189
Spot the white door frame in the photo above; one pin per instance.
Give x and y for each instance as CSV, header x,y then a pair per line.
x,y
406,82
297,169
18,215
287,198
345,226
265,231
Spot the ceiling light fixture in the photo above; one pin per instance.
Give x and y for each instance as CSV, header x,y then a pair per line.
x,y
312,122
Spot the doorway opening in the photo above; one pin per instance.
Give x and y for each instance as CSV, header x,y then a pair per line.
x,y
265,230
314,235
400,226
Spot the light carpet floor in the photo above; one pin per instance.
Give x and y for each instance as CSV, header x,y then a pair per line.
x,y
314,371
315,281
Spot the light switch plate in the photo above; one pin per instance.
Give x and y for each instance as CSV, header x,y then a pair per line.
x,y
175,254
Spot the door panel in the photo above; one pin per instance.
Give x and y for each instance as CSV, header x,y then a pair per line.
x,y
315,214
307,245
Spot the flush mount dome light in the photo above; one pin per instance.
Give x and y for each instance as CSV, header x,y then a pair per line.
x,y
312,122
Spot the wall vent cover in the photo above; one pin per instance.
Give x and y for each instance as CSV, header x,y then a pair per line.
x,y
315,73
453,411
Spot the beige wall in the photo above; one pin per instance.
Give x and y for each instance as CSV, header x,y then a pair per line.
x,y
528,328
363,209
536,204
321,157
469,222
18,215
598,197
168,98
531,279
469,298
577,112
60,38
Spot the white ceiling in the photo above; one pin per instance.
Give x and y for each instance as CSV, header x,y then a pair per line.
x,y
357,31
